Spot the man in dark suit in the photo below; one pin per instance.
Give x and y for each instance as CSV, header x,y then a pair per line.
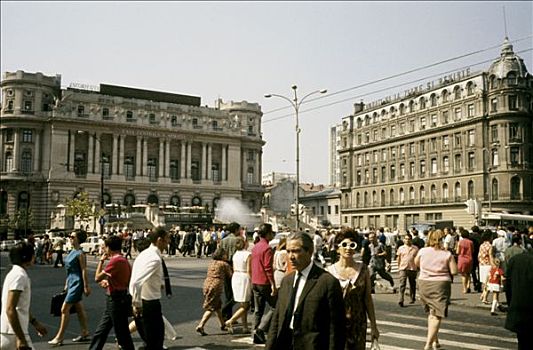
x,y
310,311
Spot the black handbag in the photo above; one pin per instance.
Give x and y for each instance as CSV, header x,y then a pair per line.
x,y
57,302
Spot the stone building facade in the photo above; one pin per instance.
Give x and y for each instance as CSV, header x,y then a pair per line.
x,y
418,156
146,147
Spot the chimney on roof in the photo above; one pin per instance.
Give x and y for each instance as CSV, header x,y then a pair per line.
x,y
358,107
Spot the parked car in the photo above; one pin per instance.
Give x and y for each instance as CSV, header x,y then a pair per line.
x,y
8,244
92,245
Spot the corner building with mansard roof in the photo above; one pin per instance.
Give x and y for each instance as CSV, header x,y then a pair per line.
x,y
149,147
420,156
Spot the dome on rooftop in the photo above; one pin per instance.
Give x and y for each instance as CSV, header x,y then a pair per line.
x,y
508,62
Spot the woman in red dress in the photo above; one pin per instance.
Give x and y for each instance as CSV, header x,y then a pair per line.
x,y
465,251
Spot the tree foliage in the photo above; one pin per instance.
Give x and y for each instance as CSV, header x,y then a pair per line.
x,y
21,219
80,207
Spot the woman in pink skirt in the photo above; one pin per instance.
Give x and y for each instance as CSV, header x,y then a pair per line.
x,y
465,251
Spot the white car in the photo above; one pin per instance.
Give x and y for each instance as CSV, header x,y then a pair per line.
x,y
8,244
92,245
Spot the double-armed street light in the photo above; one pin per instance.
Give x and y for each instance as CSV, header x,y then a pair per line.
x,y
296,103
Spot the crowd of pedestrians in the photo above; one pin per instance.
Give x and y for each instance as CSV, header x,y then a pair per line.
x,y
308,291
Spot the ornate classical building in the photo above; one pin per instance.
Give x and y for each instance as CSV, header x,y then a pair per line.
x,y
145,147
420,155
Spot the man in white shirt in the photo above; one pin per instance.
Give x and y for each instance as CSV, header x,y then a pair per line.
x,y
145,289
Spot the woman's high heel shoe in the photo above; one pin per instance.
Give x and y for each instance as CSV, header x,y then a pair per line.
x,y
229,326
55,342
201,330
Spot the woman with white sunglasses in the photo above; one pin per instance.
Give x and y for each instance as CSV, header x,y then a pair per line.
x,y
354,278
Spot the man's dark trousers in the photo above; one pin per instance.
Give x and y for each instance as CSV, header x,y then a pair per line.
x,y
115,316
150,326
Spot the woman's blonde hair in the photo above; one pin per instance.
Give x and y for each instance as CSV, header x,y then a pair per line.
x,y
282,244
434,238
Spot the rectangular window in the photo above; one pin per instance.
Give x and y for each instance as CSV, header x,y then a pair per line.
x,y
422,168
433,166
433,144
375,135
358,177
392,172
434,120
457,140
383,174
412,169
376,157
445,117
329,209
359,160
412,149
471,110
28,106
495,161
367,137
383,132
27,135
384,155
471,160
402,171
129,168
512,103
151,118
494,133
374,175
336,209
422,123
445,142
515,156
494,105
129,116
457,163
514,132
393,130
402,151
445,164
422,147
402,128
471,138
367,158
251,155
457,113
393,152
412,125
105,113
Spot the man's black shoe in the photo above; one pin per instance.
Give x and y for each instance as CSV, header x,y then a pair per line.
x,y
400,303
259,337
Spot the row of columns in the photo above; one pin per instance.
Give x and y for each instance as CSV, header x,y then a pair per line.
x,y
93,161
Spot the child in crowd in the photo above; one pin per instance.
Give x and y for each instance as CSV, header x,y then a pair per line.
x,y
494,282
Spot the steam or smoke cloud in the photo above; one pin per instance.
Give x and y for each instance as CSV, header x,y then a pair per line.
x,y
232,209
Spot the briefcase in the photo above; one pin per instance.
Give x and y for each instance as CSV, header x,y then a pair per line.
x,y
57,303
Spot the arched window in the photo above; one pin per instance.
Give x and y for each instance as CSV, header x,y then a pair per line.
x,y
411,195
217,199
9,162
358,200
26,161
374,199
445,193
359,122
457,191
494,188
445,95
411,106
433,193
433,100
346,200
402,109
492,82
422,194
470,189
470,88
175,201
457,92
422,103
365,200
152,169
402,196
107,197
511,78
23,200
515,188
383,198
152,199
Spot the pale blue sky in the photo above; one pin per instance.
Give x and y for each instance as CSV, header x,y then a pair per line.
x,y
240,51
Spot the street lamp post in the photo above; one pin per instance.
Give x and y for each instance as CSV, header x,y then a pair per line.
x,y
487,164
296,103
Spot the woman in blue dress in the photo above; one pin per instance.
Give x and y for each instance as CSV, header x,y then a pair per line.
x,y
76,285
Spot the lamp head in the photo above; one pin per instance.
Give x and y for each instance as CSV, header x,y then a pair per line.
x,y
323,91
294,87
268,95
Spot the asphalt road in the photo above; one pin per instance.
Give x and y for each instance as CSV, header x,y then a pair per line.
x,y
468,326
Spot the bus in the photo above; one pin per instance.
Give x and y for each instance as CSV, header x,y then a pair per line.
x,y
493,220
